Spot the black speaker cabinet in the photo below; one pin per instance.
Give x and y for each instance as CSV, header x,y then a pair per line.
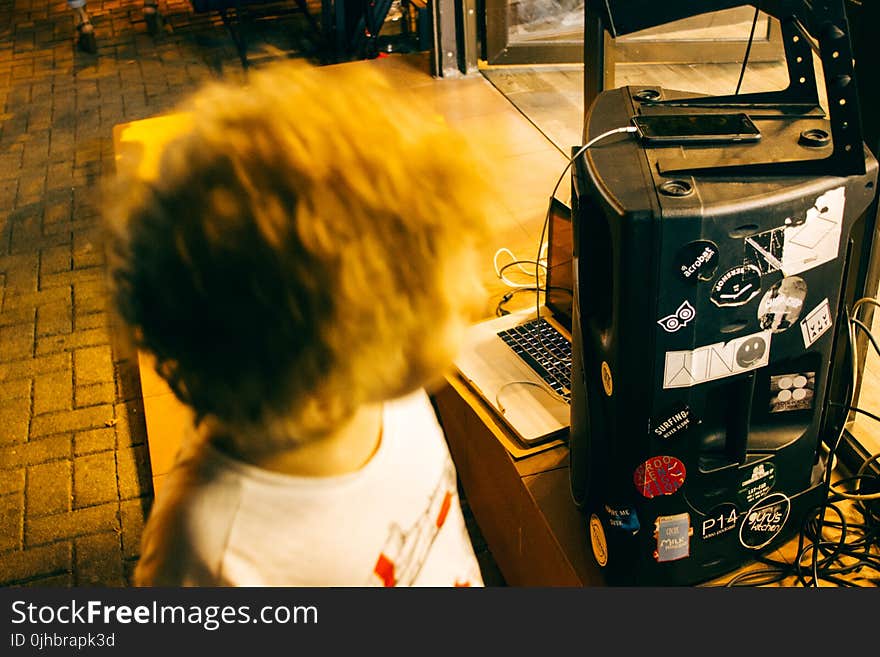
x,y
707,306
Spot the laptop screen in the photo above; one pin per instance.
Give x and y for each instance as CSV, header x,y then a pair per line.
x,y
560,277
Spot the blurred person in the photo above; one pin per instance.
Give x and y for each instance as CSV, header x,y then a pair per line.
x,y
302,268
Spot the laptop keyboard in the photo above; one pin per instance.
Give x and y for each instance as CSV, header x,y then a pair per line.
x,y
545,350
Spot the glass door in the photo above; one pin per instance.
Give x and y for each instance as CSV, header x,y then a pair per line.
x,y
552,32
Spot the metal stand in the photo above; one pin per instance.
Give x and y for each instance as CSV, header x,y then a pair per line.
x,y
801,21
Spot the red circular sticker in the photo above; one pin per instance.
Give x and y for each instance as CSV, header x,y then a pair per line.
x,y
660,475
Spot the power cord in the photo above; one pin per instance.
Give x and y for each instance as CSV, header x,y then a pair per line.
x,y
592,142
538,262
520,265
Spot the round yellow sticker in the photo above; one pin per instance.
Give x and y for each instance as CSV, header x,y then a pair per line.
x,y
597,540
607,381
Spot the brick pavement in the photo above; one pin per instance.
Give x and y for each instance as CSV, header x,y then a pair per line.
x,y
74,471
74,467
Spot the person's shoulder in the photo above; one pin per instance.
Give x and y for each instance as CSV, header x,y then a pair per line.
x,y
414,407
187,525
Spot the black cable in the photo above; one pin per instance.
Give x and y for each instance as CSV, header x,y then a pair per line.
x,y
500,310
867,332
855,409
742,71
581,150
820,517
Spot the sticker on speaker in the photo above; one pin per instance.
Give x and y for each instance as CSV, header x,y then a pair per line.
x,y
597,540
792,392
674,423
814,239
660,475
716,361
607,381
673,535
781,306
623,518
736,286
679,319
719,521
766,250
697,261
816,323
758,482
763,521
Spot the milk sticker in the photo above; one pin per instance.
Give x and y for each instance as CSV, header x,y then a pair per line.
x,y
673,537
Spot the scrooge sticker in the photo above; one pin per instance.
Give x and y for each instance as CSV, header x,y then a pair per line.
x,y
697,261
763,521
673,537
659,475
673,423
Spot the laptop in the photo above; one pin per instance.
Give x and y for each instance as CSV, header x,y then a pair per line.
x,y
520,364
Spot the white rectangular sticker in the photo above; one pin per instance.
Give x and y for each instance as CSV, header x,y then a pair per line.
x,y
716,361
814,325
815,239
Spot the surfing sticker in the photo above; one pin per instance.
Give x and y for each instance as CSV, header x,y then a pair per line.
x,y
674,422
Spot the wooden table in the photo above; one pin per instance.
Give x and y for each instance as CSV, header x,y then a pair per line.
x,y
522,504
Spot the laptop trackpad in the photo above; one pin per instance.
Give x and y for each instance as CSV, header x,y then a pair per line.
x,y
512,388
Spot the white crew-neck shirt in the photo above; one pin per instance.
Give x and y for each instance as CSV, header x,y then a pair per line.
x,y
395,522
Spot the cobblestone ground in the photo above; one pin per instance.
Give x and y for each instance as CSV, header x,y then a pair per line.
x,y
74,470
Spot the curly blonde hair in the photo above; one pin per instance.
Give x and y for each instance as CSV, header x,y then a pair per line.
x,y
308,247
